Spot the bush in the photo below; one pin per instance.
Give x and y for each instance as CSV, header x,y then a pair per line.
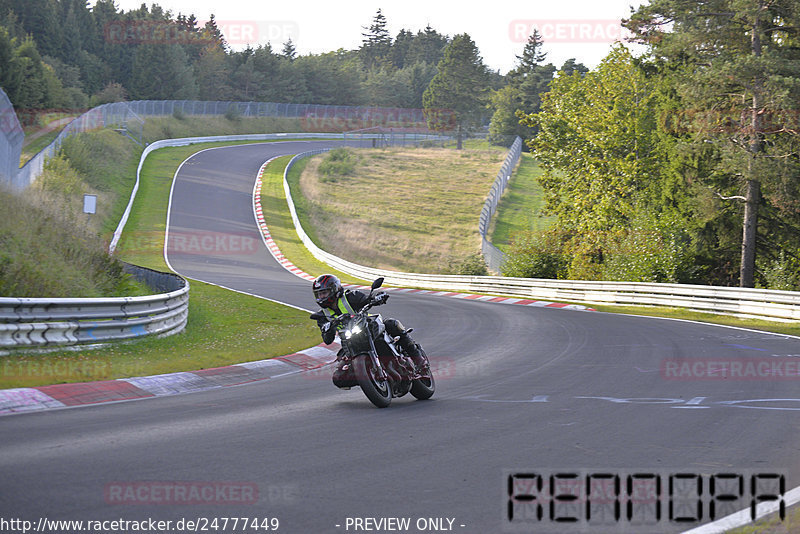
x,y
338,162
782,273
233,113
113,92
59,177
178,113
650,251
470,265
536,255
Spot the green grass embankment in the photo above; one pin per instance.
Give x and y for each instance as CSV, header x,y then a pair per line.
x,y
521,205
401,208
224,327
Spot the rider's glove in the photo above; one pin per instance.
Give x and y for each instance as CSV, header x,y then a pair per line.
x,y
381,298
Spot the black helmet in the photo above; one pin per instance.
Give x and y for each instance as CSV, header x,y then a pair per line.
x,y
327,290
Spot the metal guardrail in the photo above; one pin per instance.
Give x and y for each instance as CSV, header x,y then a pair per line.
x,y
765,303
366,139
45,322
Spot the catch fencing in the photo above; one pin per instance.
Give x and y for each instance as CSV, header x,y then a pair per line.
x,y
492,255
11,139
118,115
129,118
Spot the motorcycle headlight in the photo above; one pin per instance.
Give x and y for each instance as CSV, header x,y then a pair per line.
x,y
350,331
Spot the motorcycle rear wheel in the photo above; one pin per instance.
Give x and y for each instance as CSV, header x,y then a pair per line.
x,y
378,391
423,388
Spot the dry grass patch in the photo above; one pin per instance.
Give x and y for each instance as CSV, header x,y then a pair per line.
x,y
410,209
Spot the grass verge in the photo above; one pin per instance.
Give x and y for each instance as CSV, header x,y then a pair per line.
x,y
772,524
520,207
280,225
407,209
224,327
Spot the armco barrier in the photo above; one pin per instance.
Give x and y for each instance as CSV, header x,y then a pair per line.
x,y
45,322
765,303
398,138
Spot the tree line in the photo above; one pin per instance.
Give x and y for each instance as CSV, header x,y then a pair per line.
x,y
66,53
682,164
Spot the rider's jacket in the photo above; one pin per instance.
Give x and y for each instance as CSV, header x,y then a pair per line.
x,y
350,302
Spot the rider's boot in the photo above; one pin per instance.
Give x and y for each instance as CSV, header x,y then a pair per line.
x,y
414,352
343,376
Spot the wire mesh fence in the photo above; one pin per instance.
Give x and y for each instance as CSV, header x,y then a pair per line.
x,y
129,119
493,256
11,139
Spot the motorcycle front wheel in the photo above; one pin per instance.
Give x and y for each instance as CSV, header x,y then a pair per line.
x,y
377,390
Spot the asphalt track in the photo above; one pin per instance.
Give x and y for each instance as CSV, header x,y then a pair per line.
x,y
520,390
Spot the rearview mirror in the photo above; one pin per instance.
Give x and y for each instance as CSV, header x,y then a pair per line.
x,y
377,283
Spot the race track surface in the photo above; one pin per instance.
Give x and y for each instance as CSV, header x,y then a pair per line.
x,y
520,390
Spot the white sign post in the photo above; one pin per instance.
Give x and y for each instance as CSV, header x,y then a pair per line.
x,y
90,204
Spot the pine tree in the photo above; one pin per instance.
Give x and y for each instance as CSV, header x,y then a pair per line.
x,y
522,96
456,97
376,44
400,48
212,33
427,47
739,72
289,51
570,66
162,72
9,76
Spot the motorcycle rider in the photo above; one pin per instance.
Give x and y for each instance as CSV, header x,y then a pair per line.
x,y
335,300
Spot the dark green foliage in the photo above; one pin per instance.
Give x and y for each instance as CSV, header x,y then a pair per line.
x,y
456,97
376,45
470,265
526,83
536,255
734,67
337,163
233,113
153,54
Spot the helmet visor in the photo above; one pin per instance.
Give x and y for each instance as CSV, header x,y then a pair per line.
x,y
323,295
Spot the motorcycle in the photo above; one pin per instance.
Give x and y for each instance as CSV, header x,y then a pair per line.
x,y
381,367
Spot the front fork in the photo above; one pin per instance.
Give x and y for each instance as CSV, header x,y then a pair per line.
x,y
376,362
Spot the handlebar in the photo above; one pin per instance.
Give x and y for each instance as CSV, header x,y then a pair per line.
x,y
377,300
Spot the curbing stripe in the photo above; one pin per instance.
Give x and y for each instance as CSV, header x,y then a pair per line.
x,y
21,400
289,266
94,392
